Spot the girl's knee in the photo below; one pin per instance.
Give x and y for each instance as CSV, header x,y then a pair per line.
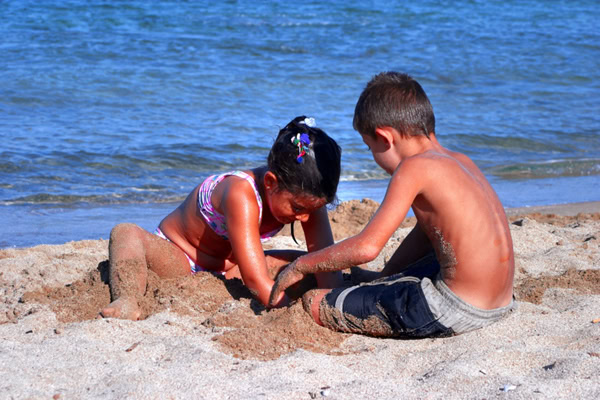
x,y
124,230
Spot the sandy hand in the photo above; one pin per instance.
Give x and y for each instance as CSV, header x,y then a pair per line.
x,y
285,279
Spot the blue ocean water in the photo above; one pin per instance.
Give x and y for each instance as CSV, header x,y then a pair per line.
x,y
114,111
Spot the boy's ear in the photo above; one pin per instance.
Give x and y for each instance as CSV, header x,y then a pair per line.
x,y
386,135
270,181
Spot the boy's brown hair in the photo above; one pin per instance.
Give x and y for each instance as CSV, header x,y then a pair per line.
x,y
396,100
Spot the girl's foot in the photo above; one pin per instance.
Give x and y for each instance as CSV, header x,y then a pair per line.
x,y
123,308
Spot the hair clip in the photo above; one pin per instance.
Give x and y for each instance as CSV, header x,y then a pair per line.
x,y
302,141
310,122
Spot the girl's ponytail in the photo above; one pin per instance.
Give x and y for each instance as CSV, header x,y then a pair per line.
x,y
306,160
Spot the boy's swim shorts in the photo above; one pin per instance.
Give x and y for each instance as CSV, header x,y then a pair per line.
x,y
413,303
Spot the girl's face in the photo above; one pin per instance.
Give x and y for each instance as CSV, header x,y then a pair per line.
x,y
287,207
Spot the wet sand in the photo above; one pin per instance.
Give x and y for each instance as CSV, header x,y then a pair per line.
x,y
203,337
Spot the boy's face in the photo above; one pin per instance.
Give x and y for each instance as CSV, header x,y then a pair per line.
x,y
379,149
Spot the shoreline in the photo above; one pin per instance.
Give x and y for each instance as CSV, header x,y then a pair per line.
x,y
567,209
57,225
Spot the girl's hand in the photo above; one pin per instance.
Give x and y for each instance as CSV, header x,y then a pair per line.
x,y
284,301
285,279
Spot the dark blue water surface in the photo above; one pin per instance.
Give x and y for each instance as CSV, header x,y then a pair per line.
x,y
114,111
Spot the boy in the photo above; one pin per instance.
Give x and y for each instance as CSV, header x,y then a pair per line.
x,y
454,271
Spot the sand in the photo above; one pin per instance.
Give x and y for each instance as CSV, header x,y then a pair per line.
x,y
203,337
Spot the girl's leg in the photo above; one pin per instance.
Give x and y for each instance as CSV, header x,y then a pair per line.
x,y
132,251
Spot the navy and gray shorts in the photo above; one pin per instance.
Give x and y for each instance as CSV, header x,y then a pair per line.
x,y
413,303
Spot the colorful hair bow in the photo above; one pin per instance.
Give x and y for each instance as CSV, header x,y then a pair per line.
x,y
302,141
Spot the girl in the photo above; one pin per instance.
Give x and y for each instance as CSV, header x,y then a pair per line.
x,y
220,224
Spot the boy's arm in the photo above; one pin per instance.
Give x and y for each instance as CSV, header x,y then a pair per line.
x,y
318,235
365,246
415,246
337,257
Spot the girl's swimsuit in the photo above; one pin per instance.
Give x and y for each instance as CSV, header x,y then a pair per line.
x,y
216,220
193,266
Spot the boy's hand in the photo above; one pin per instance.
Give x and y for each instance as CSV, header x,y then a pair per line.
x,y
285,279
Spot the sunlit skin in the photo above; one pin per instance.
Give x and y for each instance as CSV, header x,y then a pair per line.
x,y
451,200
241,256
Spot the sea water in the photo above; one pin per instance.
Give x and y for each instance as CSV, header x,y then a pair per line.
x,y
114,111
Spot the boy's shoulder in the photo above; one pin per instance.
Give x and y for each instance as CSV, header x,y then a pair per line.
x,y
430,169
442,157
431,160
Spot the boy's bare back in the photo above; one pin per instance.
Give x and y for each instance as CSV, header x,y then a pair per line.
x,y
465,223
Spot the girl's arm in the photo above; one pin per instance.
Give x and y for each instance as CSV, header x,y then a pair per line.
x,y
241,212
318,235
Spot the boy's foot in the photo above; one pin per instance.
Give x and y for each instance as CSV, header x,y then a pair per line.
x,y
123,308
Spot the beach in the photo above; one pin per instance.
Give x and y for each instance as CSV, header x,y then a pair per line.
x,y
114,111
203,337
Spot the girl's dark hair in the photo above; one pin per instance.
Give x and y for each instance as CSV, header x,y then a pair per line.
x,y
396,100
318,173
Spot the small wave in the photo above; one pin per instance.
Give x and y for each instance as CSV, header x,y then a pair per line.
x,y
547,169
364,176
505,143
46,198
77,200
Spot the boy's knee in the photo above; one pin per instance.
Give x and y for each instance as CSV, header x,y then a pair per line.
x,y
307,299
311,301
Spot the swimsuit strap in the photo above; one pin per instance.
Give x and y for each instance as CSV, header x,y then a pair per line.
x,y
212,217
248,178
